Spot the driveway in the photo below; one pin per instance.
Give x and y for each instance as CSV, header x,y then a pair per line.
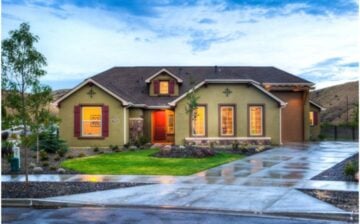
x,y
263,183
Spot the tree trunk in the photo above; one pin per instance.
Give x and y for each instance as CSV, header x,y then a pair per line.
x,y
37,148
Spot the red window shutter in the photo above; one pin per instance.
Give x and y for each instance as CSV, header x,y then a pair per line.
x,y
172,87
77,121
315,118
156,86
105,121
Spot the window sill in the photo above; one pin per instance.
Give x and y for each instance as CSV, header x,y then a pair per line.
x,y
95,138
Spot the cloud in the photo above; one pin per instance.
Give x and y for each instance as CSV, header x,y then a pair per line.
x,y
207,21
82,38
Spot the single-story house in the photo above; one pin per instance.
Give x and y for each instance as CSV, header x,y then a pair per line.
x,y
237,103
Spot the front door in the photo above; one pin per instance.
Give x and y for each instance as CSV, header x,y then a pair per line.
x,y
159,125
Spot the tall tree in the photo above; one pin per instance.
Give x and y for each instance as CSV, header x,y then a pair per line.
x,y
22,66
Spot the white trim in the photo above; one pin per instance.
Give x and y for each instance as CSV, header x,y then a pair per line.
x,y
226,138
158,107
281,126
221,81
317,105
148,80
85,82
289,83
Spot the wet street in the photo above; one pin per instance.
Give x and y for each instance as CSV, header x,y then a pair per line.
x,y
136,216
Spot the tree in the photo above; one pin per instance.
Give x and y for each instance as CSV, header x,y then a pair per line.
x,y
22,66
191,101
40,118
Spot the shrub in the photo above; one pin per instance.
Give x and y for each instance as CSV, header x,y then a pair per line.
x,y
81,155
61,152
351,168
50,142
321,137
43,155
57,158
235,145
115,148
70,157
52,168
45,164
126,145
96,149
143,140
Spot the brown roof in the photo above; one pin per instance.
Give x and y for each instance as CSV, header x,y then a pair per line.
x,y
129,82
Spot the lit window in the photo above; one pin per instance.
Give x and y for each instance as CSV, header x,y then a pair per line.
x,y
198,121
313,117
91,121
256,120
164,87
171,122
227,120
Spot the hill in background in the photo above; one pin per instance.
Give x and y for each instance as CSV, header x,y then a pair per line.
x,y
339,101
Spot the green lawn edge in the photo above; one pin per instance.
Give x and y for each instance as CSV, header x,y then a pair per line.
x,y
142,163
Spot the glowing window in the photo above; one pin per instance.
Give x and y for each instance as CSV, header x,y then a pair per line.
x,y
256,120
227,120
91,121
164,87
171,122
198,121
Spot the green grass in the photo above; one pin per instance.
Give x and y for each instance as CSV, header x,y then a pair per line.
x,y
141,162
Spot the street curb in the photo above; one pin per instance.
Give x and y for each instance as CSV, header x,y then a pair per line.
x,y
50,204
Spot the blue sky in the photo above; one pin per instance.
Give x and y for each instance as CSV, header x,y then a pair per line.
x,y
316,40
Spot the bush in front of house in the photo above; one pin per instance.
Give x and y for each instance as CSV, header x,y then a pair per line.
x,y
6,150
351,168
51,143
43,155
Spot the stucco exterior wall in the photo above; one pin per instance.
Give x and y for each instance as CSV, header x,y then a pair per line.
x,y
164,76
315,130
116,118
241,96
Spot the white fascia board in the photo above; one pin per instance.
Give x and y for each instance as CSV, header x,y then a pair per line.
x,y
148,80
317,105
173,103
288,84
282,103
85,82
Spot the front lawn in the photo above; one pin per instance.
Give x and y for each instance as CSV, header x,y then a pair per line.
x,y
142,163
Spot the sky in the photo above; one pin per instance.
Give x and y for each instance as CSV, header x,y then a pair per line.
x,y
314,39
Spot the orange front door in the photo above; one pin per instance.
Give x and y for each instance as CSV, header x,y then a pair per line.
x,y
159,125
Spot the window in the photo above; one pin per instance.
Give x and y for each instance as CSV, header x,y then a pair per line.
x,y
164,87
227,120
256,120
198,127
91,121
171,122
313,116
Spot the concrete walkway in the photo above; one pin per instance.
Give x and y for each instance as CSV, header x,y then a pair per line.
x,y
265,182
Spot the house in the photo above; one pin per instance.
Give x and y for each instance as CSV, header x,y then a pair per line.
x,y
257,104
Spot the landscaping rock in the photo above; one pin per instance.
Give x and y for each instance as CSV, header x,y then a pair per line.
x,y
133,147
32,165
38,169
156,146
182,147
61,171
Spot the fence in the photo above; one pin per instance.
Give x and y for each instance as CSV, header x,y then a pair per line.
x,y
340,133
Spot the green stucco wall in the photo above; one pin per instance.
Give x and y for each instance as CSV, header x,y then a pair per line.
x,y
242,95
116,118
315,130
163,76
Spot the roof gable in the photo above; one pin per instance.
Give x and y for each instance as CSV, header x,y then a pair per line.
x,y
148,80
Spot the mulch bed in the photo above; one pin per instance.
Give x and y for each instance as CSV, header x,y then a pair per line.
x,y
52,189
336,173
348,201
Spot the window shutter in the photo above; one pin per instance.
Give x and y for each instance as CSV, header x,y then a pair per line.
x,y
315,114
156,86
105,121
172,87
77,121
